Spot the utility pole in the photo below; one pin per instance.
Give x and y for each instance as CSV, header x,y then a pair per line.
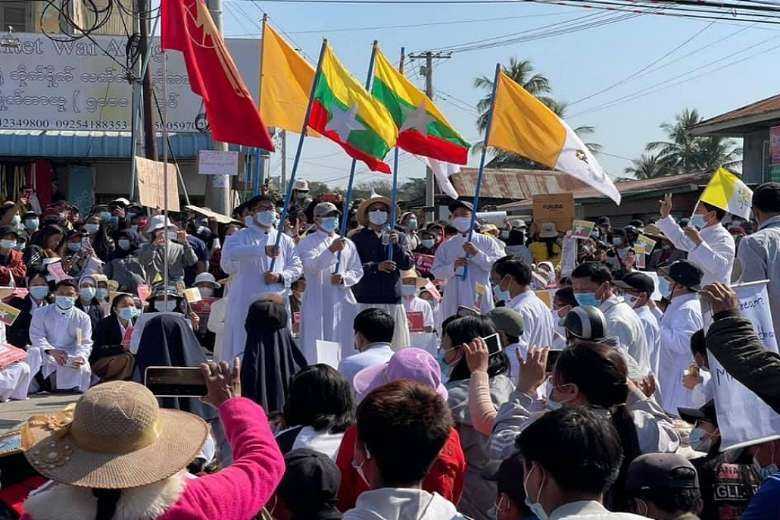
x,y
150,142
429,56
218,191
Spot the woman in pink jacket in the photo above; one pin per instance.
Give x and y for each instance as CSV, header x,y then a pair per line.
x,y
118,456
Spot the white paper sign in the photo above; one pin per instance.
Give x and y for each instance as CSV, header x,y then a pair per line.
x,y
656,296
743,418
328,353
568,256
217,162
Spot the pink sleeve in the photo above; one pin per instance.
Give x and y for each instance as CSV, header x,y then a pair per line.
x,y
243,488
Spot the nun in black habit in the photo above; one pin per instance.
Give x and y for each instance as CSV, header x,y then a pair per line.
x,y
271,357
168,341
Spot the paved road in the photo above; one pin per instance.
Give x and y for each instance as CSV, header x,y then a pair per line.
x,y
14,413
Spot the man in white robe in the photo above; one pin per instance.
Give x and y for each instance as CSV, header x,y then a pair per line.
x,y
331,266
458,257
248,256
62,336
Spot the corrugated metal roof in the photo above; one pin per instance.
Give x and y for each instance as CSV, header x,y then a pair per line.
x,y
770,104
97,145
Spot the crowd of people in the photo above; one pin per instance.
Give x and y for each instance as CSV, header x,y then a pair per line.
x,y
401,371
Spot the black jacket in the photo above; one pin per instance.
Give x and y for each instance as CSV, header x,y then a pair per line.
x,y
18,334
376,286
734,343
108,339
94,312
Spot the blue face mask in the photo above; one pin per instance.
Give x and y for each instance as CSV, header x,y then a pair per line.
x,y
39,292
501,295
535,507
329,224
74,247
87,293
586,298
31,224
446,369
126,313
665,288
265,218
64,303
101,293
697,221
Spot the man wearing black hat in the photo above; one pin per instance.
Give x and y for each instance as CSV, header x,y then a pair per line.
x,y
759,253
637,291
309,489
663,486
466,265
12,268
680,321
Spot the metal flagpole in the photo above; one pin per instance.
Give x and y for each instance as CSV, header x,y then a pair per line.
x,y
288,195
394,192
348,195
475,202
165,166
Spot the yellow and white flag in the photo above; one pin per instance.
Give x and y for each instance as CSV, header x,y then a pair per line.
x,y
524,125
727,192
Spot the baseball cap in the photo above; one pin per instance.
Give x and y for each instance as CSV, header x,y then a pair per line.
x,y
508,320
323,209
637,281
654,471
455,204
685,273
706,413
408,363
310,485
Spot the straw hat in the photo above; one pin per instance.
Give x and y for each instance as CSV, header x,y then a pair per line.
x,y
412,273
363,208
115,437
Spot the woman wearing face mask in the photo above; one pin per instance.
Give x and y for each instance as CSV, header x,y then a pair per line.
x,y
18,334
31,222
152,257
210,293
544,246
47,243
479,494
9,214
587,374
409,225
110,358
12,268
732,469
88,303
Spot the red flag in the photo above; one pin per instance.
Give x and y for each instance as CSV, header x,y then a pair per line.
x,y
232,114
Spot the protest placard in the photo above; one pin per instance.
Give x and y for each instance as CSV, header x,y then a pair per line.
x,y
743,418
218,162
328,352
192,295
568,256
416,321
644,245
423,263
151,184
8,314
557,208
57,272
581,229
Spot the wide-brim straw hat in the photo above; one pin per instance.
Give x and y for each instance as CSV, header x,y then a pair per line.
x,y
412,273
115,437
363,207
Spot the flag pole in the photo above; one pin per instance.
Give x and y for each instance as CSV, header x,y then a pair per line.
x,y
299,149
348,195
394,192
475,202
165,167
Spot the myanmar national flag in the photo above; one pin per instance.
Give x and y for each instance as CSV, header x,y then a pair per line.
x,y
343,111
422,128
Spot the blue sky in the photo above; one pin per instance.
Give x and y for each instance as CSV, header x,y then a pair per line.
x,y
578,65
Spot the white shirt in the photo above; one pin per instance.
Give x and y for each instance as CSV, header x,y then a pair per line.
x,y
51,329
538,326
244,257
680,321
714,256
625,325
465,292
652,335
375,354
327,310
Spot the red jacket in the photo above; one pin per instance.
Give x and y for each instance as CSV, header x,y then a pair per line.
x,y
445,477
13,267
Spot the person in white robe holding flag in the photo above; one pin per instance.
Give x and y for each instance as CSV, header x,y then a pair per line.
x,y
331,266
257,268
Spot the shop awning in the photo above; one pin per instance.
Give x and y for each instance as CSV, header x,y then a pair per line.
x,y
94,145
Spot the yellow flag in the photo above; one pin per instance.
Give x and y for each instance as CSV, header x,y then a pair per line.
x,y
525,126
286,79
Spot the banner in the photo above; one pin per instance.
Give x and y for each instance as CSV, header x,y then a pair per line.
x,y
743,418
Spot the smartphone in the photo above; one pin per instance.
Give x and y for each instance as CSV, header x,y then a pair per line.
x,y
175,381
493,343
552,358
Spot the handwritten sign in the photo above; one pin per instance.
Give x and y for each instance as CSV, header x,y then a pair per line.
x,y
557,208
217,162
151,184
581,229
415,321
57,272
8,314
423,263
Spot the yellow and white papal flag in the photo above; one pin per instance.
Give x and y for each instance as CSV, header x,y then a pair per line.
x,y
727,192
524,125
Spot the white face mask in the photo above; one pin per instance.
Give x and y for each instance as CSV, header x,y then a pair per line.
x,y
171,235
206,292
162,306
408,290
378,217
428,243
265,218
462,224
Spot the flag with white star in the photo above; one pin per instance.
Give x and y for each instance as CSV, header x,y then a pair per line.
x,y
343,111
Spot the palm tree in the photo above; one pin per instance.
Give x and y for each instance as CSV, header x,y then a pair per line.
x,y
683,152
646,167
522,73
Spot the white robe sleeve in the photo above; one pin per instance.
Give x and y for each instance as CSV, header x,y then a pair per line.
x,y
38,337
716,258
354,269
675,234
293,268
442,268
488,252
84,349
676,334
315,260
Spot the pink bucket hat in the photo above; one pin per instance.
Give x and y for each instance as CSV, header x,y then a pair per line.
x,y
408,363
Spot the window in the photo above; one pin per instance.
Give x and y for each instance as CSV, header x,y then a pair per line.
x,y
17,15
